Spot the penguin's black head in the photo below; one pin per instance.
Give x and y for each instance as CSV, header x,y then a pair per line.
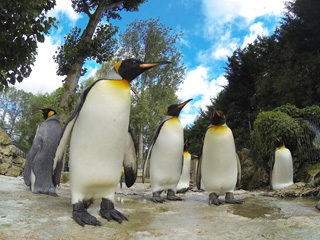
x,y
175,109
129,69
217,118
46,112
279,142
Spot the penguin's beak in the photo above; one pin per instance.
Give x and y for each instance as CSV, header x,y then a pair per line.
x,y
184,103
38,109
153,64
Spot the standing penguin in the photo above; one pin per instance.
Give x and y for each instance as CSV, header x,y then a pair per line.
x,y
184,181
281,169
98,128
218,165
40,174
165,153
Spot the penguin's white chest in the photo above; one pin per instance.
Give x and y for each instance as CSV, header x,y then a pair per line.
x,y
166,156
98,140
219,163
282,173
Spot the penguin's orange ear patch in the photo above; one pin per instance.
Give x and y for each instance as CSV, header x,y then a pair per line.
x,y
50,113
278,139
166,112
116,67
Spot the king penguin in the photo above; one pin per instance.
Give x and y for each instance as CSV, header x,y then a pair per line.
x,y
184,182
281,169
98,131
40,174
166,152
219,165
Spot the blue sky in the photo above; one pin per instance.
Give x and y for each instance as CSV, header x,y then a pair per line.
x,y
212,30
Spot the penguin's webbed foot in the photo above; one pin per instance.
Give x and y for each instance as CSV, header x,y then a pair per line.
x,y
82,217
171,195
108,211
156,197
183,190
231,200
214,199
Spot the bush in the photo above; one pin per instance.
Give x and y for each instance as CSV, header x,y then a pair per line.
x,y
270,125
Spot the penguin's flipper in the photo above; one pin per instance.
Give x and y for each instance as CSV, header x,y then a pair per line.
x,y
61,149
153,140
32,154
198,177
130,161
239,170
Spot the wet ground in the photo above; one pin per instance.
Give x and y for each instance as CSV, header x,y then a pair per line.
x,y
24,215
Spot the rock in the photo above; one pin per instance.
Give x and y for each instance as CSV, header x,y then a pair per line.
x,y
310,174
252,176
11,164
299,189
318,205
4,138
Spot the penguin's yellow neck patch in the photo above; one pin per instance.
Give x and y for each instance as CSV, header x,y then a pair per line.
x,y
174,119
219,128
123,84
282,147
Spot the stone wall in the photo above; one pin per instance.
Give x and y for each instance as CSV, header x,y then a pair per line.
x,y
11,164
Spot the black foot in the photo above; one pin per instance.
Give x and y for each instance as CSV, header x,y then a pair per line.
x,y
183,190
82,217
214,199
171,195
156,197
108,211
231,200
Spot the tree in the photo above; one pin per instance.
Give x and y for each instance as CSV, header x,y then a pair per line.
x,y
95,42
22,25
149,40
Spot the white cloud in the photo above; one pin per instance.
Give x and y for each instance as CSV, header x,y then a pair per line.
x,y
255,30
198,86
227,10
65,7
194,84
43,77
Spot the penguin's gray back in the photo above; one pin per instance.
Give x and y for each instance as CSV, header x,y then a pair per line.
x,y
98,141
39,162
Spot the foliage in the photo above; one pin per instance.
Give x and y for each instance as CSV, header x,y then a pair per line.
x,y
22,25
18,116
100,48
272,124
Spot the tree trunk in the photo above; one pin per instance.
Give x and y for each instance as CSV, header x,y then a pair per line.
x,y
69,86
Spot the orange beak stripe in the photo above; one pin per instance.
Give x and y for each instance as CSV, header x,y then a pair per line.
x,y
148,65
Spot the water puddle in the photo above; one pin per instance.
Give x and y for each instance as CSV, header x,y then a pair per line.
x,y
275,208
